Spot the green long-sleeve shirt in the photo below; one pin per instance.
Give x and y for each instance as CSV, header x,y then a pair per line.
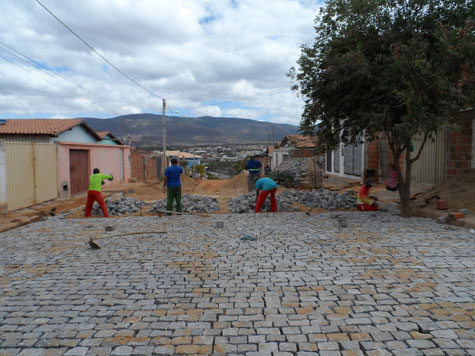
x,y
95,181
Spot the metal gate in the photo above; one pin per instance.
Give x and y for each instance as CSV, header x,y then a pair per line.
x,y
79,170
31,173
353,164
336,160
431,167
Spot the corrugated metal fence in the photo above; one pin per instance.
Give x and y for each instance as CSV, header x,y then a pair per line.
x,y
31,173
431,167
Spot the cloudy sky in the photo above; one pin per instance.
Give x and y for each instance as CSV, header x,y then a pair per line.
x,y
206,57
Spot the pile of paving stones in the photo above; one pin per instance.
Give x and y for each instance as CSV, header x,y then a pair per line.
x,y
121,206
322,198
295,169
190,204
247,203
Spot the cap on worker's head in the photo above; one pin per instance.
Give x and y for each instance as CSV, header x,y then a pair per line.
x,y
370,182
174,160
95,170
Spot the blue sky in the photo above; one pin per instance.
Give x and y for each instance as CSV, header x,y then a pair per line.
x,y
206,57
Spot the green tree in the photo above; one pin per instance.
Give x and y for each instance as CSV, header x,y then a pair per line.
x,y
184,163
397,68
199,168
239,165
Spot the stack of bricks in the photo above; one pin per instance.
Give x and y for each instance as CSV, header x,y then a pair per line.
x,y
460,145
137,162
373,158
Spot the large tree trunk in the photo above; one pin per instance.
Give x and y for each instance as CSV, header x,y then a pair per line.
x,y
404,180
405,187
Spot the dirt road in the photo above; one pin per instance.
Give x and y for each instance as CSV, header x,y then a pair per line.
x,y
224,190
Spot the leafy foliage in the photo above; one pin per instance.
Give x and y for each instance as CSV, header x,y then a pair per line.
x,y
392,67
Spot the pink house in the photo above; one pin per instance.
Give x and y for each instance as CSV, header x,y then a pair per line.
x,y
57,156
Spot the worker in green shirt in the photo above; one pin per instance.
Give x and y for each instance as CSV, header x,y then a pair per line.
x,y
94,193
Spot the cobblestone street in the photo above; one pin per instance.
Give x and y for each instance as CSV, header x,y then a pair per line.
x,y
345,283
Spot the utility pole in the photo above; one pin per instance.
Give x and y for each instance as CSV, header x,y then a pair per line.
x,y
164,138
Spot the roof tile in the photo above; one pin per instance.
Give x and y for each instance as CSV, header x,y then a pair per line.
x,y
50,127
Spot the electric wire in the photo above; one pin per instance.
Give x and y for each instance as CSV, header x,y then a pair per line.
x,y
10,49
22,64
130,78
96,52
35,74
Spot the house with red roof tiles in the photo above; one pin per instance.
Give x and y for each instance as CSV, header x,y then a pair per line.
x,y
43,159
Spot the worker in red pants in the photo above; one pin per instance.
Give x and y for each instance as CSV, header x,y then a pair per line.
x,y
94,193
266,186
364,201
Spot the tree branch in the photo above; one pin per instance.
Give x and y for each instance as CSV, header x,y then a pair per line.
x,y
426,136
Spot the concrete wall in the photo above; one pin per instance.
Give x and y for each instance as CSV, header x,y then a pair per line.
x,y
106,158
3,179
76,134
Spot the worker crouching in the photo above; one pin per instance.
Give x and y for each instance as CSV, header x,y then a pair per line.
x,y
94,192
266,186
364,201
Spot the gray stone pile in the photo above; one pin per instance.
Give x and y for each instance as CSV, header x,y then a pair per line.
x,y
247,203
190,204
294,168
322,198
122,206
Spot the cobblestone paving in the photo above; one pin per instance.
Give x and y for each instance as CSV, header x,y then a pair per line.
x,y
380,286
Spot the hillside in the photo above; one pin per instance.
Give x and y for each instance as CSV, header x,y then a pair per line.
x,y
192,130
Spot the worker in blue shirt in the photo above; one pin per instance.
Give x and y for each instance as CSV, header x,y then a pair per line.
x,y
266,186
172,184
253,166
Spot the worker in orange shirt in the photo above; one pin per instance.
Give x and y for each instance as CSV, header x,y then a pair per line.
x,y
94,192
364,201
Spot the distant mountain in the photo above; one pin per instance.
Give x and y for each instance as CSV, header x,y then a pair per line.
x,y
192,130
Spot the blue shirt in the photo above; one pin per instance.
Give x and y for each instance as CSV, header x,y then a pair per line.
x,y
173,174
265,184
253,166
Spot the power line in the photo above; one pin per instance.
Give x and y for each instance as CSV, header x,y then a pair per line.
x,y
96,52
21,64
9,49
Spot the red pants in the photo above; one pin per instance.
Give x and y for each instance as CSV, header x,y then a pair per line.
x,y
367,207
262,198
92,196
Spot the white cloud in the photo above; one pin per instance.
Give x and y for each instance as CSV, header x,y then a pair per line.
x,y
207,111
191,52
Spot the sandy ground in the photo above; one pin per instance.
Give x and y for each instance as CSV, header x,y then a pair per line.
x,y
459,193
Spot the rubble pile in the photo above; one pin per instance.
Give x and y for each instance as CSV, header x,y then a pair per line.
x,y
322,198
190,204
247,203
121,206
295,169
